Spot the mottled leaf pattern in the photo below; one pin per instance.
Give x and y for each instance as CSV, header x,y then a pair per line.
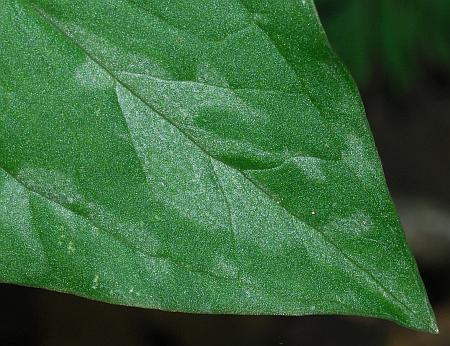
x,y
202,156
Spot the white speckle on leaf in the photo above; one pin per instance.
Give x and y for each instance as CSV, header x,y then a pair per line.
x,y
70,248
95,282
158,218
260,18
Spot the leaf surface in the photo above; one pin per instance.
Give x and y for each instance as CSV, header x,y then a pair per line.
x,y
200,156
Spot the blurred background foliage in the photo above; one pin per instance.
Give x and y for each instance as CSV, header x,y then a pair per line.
x,y
392,36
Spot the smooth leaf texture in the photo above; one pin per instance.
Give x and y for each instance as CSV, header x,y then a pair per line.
x,y
202,156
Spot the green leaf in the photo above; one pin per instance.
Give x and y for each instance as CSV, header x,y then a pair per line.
x,y
202,156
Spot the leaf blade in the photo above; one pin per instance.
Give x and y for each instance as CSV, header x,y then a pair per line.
x,y
300,179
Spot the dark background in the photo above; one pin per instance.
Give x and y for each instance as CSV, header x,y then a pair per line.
x,y
399,54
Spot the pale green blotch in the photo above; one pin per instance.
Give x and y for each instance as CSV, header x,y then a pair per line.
x,y
92,76
18,237
208,74
52,184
